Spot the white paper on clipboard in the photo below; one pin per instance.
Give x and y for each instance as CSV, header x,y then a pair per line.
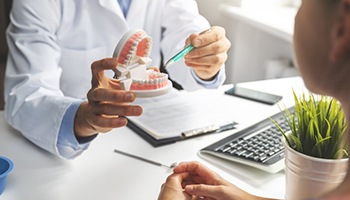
x,y
177,112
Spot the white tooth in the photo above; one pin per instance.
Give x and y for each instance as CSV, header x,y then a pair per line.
x,y
153,82
157,81
141,82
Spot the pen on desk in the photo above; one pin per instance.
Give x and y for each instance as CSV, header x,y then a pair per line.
x,y
209,129
145,160
183,52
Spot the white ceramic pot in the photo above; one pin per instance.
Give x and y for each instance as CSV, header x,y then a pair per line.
x,y
308,176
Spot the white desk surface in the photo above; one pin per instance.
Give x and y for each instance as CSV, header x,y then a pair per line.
x,y
277,20
101,174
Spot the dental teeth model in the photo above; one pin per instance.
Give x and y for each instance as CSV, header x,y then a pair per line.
x,y
133,52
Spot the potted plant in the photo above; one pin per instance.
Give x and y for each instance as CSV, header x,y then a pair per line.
x,y
315,147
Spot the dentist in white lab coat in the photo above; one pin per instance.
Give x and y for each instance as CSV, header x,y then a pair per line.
x,y
58,88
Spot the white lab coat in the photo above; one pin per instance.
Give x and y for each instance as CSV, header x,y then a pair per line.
x,y
52,44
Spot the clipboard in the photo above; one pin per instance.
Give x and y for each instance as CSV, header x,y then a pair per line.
x,y
185,135
150,139
178,116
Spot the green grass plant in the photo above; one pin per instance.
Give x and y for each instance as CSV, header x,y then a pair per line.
x,y
318,127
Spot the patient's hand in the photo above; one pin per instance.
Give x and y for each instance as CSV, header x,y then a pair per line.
x,y
200,182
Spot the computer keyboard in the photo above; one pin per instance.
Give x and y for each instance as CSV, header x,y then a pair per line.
x,y
259,145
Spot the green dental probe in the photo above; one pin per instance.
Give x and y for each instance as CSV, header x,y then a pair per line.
x,y
179,55
183,52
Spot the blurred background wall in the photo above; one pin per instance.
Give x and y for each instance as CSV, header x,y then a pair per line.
x,y
257,52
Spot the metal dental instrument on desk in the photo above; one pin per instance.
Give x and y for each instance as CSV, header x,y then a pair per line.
x,y
146,160
183,52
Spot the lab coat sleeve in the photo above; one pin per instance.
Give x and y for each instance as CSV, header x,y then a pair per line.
x,y
67,144
212,84
34,103
180,19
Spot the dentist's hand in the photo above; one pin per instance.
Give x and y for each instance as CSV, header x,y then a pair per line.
x,y
107,104
210,52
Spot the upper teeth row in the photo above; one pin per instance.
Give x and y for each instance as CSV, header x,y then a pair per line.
x,y
134,48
